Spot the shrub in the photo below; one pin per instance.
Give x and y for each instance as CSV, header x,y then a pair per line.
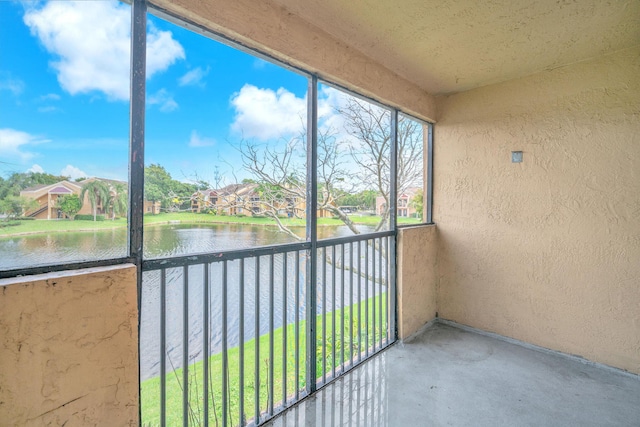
x,y
240,215
89,218
8,224
24,218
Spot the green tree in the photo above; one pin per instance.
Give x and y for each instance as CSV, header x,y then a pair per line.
x,y
159,186
417,203
118,200
69,204
18,181
15,206
97,192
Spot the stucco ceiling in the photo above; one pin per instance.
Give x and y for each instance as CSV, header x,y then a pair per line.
x,y
447,46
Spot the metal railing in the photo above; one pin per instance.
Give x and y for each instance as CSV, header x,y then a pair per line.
x,y
225,339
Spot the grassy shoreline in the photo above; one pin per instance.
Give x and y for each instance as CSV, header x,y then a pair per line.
x,y
150,389
26,228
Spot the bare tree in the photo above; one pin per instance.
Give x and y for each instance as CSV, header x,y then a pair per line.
x,y
281,172
355,161
370,126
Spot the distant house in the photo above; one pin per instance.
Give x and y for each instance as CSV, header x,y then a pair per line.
x,y
47,196
203,200
233,199
152,208
244,199
405,207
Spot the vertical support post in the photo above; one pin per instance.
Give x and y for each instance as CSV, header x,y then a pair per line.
x,y
136,134
163,348
271,372
241,415
393,201
225,354
312,231
185,346
285,257
256,335
136,152
429,176
297,326
205,344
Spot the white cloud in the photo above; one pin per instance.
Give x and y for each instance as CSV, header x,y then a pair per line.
x,y
259,64
50,97
12,142
194,77
73,172
266,114
15,86
198,141
48,109
36,168
90,41
164,99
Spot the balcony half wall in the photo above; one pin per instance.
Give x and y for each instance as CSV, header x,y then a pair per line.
x,y
69,348
416,278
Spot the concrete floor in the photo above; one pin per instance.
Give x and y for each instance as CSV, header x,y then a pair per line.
x,y
447,376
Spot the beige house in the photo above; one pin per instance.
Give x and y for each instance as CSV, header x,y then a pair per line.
x,y
234,199
243,199
405,207
47,196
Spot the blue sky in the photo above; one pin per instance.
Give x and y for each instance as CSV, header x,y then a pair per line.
x,y
64,87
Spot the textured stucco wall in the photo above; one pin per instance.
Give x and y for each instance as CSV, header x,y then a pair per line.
x,y
68,348
269,27
548,250
417,251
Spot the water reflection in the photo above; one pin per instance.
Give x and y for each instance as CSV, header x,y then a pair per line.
x,y
360,398
159,241
59,248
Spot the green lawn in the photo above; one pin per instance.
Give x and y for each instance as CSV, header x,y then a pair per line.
x,y
150,389
53,226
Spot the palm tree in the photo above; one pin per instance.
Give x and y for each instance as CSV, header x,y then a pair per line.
x,y
97,191
118,200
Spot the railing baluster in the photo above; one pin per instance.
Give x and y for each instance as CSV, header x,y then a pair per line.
x,y
351,303
388,282
324,315
359,302
342,309
241,342
285,256
366,298
185,346
225,358
271,338
333,313
256,337
163,347
297,326
373,292
205,344
381,314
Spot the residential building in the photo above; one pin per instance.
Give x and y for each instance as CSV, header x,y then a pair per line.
x,y
47,196
406,208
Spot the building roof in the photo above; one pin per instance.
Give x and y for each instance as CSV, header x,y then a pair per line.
x,y
60,190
